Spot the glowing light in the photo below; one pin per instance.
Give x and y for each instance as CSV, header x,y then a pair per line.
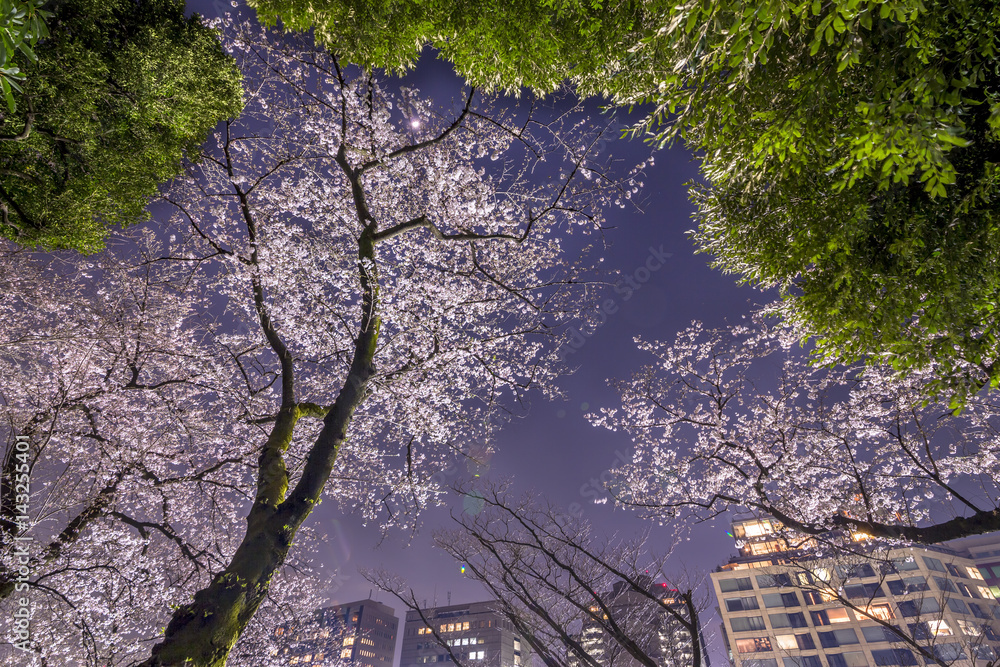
x,y
415,123
462,568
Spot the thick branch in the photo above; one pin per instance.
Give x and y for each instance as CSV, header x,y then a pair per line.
x,y
424,222
422,144
981,522
24,133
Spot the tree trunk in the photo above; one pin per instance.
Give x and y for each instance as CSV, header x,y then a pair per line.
x,y
202,633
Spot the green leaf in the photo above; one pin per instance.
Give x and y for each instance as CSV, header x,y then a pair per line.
x,y
11,76
28,52
5,85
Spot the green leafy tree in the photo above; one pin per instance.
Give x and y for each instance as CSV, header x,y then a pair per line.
x,y
849,146
119,93
497,44
851,155
22,24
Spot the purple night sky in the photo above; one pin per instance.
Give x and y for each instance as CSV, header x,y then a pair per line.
x,y
553,449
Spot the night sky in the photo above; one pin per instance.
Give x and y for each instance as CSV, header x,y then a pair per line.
x,y
553,449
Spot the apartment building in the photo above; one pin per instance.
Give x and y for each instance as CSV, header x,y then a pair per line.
x,y
782,604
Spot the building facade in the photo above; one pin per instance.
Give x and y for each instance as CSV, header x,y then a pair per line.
x,y
476,632
783,606
361,633
657,634
985,551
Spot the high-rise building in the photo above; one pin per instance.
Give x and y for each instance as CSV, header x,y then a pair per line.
x,y
361,633
653,629
782,604
476,632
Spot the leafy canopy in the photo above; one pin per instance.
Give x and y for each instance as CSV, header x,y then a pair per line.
x,y
120,92
496,45
849,146
22,24
851,158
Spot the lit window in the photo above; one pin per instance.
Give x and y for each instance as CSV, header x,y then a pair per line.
x,y
802,578
838,616
939,628
830,616
985,592
348,641
757,528
822,573
974,573
762,548
465,626
753,645
881,612
969,628
346,653
786,641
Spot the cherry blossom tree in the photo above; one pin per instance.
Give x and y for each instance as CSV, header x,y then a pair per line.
x,y
740,418
349,289
112,375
